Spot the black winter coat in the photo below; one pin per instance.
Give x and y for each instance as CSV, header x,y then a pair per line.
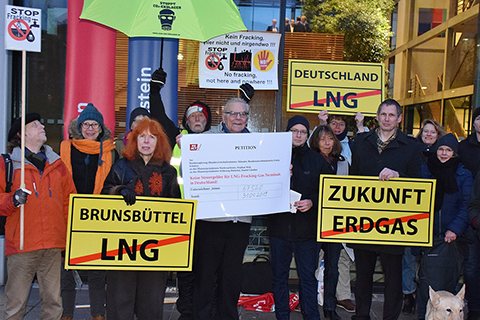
x,y
402,155
469,151
307,167
123,175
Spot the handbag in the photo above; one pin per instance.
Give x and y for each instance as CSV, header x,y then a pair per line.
x,y
257,275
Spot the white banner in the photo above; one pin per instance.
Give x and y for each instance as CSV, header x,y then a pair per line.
x,y
240,174
227,61
23,28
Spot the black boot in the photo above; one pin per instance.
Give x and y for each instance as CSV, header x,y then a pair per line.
x,y
409,303
331,315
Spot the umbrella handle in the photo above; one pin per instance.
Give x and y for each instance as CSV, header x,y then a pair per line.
x,y
161,54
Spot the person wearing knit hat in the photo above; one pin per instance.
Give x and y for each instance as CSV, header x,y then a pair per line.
x,y
137,115
450,141
88,154
17,125
295,233
450,222
197,118
298,120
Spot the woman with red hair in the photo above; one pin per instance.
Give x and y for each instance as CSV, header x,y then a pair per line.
x,y
144,171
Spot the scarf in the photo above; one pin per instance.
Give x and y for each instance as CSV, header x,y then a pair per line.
x,y
39,160
381,145
90,147
444,173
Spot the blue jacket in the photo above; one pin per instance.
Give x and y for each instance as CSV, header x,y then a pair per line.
x,y
454,214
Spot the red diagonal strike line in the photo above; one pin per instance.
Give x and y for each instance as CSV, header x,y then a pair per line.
x,y
113,253
359,95
420,216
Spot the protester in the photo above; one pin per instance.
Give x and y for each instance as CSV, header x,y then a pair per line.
x,y
144,167
220,242
296,233
387,153
88,155
339,125
325,142
469,151
136,116
48,186
428,135
441,269
197,118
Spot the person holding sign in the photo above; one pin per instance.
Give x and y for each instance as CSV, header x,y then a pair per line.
x,y
339,125
48,186
88,155
387,153
325,142
295,233
220,242
454,187
144,170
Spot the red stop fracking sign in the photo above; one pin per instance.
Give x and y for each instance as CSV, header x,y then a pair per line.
x,y
18,29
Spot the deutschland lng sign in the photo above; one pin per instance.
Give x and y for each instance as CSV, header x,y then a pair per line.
x,y
357,209
154,234
339,87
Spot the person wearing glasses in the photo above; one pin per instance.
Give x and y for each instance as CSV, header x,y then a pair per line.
x,y
296,233
89,154
220,242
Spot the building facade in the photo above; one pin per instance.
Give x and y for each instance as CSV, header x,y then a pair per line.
x,y
432,62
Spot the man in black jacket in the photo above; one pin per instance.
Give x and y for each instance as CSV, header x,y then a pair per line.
x,y
387,153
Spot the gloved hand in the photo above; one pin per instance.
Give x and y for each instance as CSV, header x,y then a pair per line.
x,y
129,196
159,76
246,92
20,197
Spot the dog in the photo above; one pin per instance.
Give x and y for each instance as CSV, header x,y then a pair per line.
x,y
443,305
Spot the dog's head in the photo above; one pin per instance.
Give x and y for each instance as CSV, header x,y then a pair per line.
x,y
445,306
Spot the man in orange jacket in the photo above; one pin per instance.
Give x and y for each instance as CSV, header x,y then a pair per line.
x,y
48,185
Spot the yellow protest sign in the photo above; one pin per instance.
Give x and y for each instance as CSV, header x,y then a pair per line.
x,y
154,234
358,209
337,86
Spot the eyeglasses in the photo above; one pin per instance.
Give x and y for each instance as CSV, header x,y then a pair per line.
x,y
444,150
340,124
234,114
301,132
94,125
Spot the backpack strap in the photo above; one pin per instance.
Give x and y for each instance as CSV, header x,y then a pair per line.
x,y
8,171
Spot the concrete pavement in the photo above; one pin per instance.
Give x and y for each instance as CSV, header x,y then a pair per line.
x,y
82,311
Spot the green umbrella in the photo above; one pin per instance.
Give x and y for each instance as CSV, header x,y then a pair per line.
x,y
182,19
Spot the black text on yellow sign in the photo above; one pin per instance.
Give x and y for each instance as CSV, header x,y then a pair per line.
x,y
339,87
154,234
357,209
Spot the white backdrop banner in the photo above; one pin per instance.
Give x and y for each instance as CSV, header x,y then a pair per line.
x,y
227,61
